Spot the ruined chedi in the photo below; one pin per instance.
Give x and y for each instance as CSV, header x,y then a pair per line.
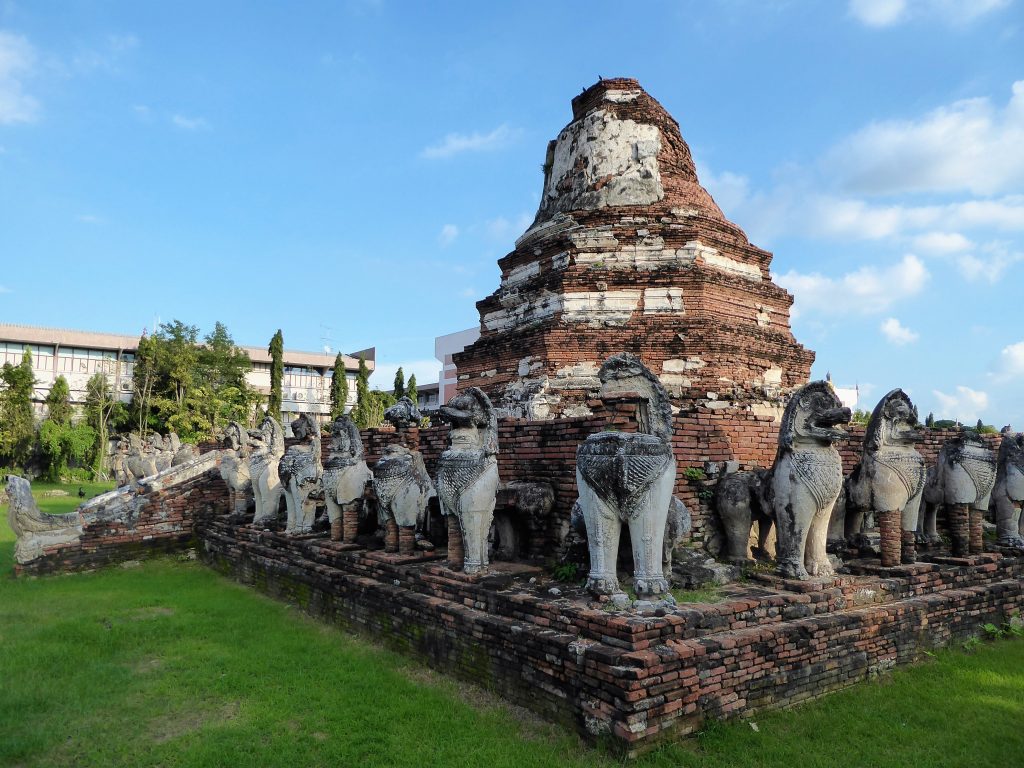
x,y
629,252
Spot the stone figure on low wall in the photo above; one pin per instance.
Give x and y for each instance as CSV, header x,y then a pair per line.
x,y
805,480
299,470
34,529
267,449
403,489
628,477
1008,492
889,479
961,482
740,501
118,465
234,468
345,475
404,413
467,474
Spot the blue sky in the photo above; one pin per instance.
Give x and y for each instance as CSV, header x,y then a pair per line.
x,y
351,171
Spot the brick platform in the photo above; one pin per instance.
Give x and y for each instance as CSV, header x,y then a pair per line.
x,y
636,679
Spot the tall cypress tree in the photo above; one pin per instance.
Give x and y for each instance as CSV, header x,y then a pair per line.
x,y
399,383
339,388
17,423
410,389
276,352
361,413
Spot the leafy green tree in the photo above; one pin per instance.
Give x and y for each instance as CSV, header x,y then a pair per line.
x,y
364,410
860,416
144,379
222,393
930,420
410,389
63,443
102,411
17,423
276,352
58,402
339,387
399,388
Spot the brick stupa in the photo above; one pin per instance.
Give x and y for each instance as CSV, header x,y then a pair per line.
x,y
629,252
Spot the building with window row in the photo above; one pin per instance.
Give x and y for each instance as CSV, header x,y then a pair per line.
x,y
78,355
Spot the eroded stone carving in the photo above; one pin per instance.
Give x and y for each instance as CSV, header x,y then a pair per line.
x,y
1008,492
403,489
467,475
628,478
36,530
962,482
889,479
299,471
234,468
740,501
803,484
267,448
345,475
404,413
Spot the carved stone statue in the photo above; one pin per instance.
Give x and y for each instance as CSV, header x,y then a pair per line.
x,y
267,448
299,470
962,482
404,413
740,501
1008,493
234,468
36,530
344,478
806,479
403,489
467,474
628,477
889,479
118,466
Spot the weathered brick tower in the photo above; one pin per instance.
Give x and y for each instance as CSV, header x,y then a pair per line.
x,y
630,253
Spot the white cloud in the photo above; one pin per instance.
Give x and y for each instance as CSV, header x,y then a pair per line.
x,y
1011,362
88,218
189,123
17,61
501,228
878,13
468,293
897,333
989,264
966,405
967,145
457,143
868,290
426,371
886,13
942,243
4,289
449,232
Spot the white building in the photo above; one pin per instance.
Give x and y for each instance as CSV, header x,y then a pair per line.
x,y
78,355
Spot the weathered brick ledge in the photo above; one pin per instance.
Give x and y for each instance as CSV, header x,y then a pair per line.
x,y
633,679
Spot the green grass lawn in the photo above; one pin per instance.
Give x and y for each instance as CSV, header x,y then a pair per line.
x,y
170,664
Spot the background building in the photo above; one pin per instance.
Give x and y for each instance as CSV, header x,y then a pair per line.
x,y
77,355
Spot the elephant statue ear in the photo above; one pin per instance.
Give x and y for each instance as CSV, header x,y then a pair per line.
x,y
355,439
488,422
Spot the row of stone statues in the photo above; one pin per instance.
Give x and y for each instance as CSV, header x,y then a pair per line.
x,y
622,477
136,457
805,496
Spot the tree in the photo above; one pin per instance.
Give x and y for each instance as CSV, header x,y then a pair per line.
x,y
930,420
100,407
144,378
399,388
63,443
860,417
276,352
410,389
223,392
58,402
363,412
17,423
339,387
